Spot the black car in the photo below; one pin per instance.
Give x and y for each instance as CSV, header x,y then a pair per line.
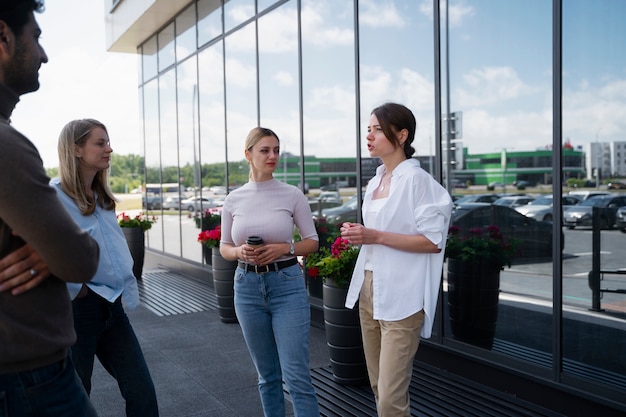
x,y
620,219
581,214
535,237
478,198
347,212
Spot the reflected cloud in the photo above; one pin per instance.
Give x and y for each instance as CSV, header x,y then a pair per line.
x,y
489,85
284,78
456,13
377,14
316,19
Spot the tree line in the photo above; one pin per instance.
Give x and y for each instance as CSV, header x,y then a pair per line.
x,y
128,173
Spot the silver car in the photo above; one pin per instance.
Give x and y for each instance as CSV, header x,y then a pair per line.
x,y
541,207
197,203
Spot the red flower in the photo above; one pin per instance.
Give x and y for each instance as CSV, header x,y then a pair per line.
x,y
210,238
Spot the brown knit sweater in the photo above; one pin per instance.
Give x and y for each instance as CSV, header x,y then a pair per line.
x,y
36,327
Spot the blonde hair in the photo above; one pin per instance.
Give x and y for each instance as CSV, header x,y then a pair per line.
x,y
257,134
73,134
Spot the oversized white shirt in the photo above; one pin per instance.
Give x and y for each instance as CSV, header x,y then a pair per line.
x,y
406,282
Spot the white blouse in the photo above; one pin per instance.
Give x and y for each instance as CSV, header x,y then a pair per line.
x,y
405,282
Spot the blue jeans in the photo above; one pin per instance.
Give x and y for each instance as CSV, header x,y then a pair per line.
x,y
50,391
104,331
273,311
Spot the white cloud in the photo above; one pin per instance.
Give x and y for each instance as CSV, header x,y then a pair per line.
x,y
489,85
377,14
457,13
284,78
315,25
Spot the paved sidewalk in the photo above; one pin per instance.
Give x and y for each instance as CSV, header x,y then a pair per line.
x,y
200,366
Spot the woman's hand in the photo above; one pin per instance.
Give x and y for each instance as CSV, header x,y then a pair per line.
x,y
22,270
265,254
357,234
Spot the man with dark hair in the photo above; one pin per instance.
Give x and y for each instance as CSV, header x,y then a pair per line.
x,y
37,377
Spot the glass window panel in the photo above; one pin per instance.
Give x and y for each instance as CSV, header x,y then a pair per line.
x,y
152,146
396,64
328,82
212,143
209,20
186,33
594,38
264,4
149,59
241,98
236,12
500,79
189,153
170,173
167,53
278,75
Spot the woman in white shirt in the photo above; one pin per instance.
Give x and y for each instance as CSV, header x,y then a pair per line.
x,y
396,279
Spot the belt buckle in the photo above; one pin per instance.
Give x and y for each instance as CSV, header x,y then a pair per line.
x,y
256,269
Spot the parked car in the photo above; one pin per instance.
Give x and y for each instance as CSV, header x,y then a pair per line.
x,y
151,202
616,185
535,237
197,203
581,214
585,194
330,197
347,212
172,203
541,207
620,219
514,201
478,198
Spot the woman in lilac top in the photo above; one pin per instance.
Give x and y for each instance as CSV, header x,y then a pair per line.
x,y
271,301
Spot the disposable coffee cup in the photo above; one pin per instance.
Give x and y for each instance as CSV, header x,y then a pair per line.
x,y
254,241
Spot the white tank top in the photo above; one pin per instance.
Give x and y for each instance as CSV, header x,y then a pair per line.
x,y
370,221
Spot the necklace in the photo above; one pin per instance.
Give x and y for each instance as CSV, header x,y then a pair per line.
x,y
382,182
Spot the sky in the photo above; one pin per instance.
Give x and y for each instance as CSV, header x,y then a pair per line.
x,y
81,80
502,84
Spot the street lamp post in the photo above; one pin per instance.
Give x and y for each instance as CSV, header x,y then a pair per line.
x,y
598,160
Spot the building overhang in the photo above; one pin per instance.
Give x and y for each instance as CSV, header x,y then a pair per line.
x,y
129,23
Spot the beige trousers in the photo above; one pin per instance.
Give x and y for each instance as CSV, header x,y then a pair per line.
x,y
390,348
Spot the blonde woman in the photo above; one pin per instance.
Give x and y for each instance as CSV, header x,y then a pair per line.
x,y
102,327
270,296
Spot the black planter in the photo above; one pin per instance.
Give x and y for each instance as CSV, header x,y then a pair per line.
x,y
223,282
314,284
135,238
207,254
473,290
343,336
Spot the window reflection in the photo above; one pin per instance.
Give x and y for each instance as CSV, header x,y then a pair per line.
x,y
149,59
167,53
209,20
186,33
593,342
498,93
236,12
278,85
241,93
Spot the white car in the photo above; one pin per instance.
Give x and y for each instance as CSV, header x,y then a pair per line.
x,y
197,203
541,207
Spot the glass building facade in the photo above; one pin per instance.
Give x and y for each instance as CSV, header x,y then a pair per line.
x,y
484,77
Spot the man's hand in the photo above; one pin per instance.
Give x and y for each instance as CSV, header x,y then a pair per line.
x,y
22,270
